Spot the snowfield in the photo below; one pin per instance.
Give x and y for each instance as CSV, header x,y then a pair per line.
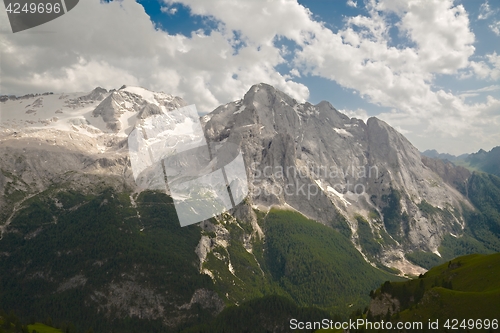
x,y
74,112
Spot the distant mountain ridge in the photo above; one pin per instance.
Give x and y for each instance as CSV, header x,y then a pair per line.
x,y
481,161
432,153
486,161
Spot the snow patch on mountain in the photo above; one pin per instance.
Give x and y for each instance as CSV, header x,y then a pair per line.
x,y
147,95
342,131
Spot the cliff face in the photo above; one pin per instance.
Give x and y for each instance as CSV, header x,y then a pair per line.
x,y
456,176
324,164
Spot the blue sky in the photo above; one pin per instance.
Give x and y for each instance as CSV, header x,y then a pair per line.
x,y
431,69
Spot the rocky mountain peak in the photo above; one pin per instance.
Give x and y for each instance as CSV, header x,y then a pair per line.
x,y
136,100
349,167
97,94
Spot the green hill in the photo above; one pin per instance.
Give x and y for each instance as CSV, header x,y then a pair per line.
x,y
464,288
42,328
10,323
459,295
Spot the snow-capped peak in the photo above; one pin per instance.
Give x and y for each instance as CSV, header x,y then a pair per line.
x,y
147,95
92,113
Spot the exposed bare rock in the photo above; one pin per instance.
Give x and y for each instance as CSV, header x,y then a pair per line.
x,y
75,282
456,176
324,164
128,298
207,299
131,299
382,304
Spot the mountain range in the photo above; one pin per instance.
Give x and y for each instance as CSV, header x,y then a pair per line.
x,y
335,207
481,161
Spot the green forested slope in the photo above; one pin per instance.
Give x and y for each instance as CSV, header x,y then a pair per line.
x,y
261,315
66,262
315,264
103,262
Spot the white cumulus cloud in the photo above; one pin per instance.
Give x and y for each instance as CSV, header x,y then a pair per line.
x,y
168,10
485,11
495,27
115,43
358,113
110,44
489,69
352,3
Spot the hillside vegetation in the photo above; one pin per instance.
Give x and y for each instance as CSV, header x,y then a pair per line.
x,y
315,264
67,261
103,261
466,289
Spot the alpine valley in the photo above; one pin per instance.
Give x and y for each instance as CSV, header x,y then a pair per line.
x,y
335,208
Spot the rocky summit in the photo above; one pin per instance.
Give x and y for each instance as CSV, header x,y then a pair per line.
x,y
318,161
